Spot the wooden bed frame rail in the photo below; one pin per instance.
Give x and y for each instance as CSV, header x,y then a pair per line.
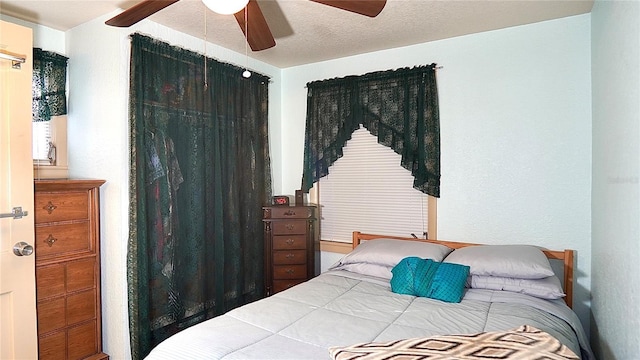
x,y
566,256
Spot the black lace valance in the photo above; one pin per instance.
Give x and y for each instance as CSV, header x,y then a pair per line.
x,y
400,107
48,86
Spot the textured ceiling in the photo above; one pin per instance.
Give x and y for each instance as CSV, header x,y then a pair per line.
x,y
307,32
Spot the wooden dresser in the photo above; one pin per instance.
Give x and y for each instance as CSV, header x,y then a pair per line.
x,y
67,253
291,245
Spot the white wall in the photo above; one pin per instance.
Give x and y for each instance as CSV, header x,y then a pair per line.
x,y
99,143
615,326
516,137
515,108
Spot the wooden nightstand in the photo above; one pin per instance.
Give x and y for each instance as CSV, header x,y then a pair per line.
x,y
291,246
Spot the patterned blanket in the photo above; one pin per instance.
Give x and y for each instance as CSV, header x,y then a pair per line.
x,y
522,343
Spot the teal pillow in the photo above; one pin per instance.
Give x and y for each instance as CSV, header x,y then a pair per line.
x,y
428,278
449,282
403,273
426,270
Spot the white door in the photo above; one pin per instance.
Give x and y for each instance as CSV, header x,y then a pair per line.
x,y
18,322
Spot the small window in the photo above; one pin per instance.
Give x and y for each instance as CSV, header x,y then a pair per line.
x,y
50,148
49,109
368,190
43,147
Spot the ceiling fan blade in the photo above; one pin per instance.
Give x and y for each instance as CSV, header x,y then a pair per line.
x,y
370,8
138,12
257,30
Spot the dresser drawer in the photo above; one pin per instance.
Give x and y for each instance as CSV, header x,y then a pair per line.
x,y
82,340
62,239
279,285
59,312
50,281
81,275
81,307
289,242
287,212
286,257
289,272
53,346
58,279
51,315
289,227
52,207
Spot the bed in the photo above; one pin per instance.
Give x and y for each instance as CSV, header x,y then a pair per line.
x,y
480,301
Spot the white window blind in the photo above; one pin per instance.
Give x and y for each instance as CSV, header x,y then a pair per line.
x,y
42,135
368,190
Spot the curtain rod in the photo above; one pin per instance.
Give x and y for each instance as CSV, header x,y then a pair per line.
x,y
437,67
16,59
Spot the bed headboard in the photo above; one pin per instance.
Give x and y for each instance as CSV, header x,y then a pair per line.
x,y
566,256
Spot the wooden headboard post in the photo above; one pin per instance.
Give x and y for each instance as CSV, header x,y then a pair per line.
x,y
566,256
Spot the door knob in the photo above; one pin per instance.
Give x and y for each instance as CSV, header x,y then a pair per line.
x,y
22,249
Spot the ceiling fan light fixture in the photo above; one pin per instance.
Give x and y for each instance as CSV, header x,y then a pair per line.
x,y
225,7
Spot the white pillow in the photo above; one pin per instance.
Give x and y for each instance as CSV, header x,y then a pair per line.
x,y
547,288
380,271
387,253
510,261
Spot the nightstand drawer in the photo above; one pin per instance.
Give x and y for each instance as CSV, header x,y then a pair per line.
x,y
63,239
289,227
289,272
289,242
287,257
52,207
287,212
279,285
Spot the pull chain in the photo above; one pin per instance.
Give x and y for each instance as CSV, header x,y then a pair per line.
x,y
246,73
206,85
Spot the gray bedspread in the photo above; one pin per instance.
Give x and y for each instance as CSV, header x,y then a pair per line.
x,y
339,308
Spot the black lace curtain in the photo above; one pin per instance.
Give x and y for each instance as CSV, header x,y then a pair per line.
x,y
199,175
400,107
48,85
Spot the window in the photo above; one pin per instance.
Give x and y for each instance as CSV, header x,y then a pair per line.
x,y
368,190
42,143
49,114
54,132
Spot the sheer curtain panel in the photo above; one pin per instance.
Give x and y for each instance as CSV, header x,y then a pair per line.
x,y
199,175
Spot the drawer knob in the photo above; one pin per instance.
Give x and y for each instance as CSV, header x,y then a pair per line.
x,y
290,255
289,241
50,240
289,213
289,271
50,207
289,226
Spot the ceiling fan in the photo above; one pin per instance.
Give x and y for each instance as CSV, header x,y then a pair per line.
x,y
259,35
